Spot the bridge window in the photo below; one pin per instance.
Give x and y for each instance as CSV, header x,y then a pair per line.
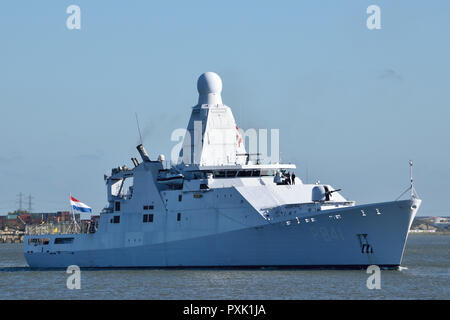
x,y
256,173
267,172
219,174
116,219
244,173
231,173
117,206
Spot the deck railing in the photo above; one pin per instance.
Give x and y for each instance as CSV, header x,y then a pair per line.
x,y
68,227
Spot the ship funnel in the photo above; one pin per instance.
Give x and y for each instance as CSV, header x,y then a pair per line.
x,y
143,153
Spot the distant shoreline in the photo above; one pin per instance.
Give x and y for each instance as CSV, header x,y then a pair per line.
x,y
437,233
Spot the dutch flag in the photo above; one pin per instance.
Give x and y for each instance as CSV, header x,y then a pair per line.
x,y
79,206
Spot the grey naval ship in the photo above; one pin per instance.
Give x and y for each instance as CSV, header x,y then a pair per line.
x,y
216,207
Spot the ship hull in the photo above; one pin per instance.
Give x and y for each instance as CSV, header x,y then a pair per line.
x,y
352,237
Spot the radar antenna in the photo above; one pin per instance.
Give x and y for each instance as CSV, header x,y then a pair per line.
x,y
139,129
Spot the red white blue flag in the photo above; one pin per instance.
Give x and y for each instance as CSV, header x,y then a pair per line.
x,y
79,206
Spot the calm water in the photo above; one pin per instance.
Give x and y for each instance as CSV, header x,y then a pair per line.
x,y
426,275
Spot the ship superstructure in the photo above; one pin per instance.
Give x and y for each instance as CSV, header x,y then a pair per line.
x,y
218,207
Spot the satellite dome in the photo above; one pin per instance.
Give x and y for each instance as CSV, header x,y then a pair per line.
x,y
209,82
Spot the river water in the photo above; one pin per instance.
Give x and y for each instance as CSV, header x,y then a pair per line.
x,y
425,275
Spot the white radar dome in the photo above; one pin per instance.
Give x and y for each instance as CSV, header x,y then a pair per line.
x,y
209,82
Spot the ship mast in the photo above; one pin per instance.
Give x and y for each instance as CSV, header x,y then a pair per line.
x,y
411,189
74,221
411,178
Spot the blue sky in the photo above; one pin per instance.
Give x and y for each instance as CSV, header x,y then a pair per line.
x,y
352,105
